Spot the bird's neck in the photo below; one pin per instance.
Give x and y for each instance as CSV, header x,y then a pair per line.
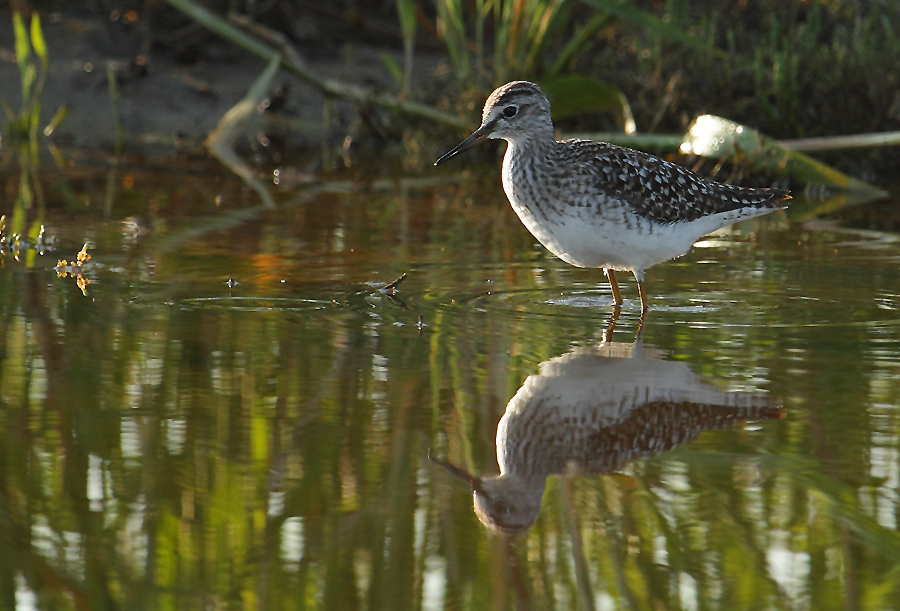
x,y
538,145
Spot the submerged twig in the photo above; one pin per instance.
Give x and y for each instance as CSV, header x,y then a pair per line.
x,y
389,288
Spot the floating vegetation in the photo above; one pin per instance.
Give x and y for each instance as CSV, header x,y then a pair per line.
x,y
75,269
15,243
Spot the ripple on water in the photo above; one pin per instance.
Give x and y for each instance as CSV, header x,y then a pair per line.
x,y
708,309
260,304
553,302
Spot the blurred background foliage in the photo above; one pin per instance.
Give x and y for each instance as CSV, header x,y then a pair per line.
x,y
789,68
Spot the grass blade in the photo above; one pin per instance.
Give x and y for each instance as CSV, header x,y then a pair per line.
x,y
406,9
23,49
541,28
392,66
23,53
37,40
58,118
579,42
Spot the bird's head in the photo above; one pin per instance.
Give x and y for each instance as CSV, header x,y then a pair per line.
x,y
513,112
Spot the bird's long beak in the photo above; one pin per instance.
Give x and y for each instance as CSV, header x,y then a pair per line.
x,y
468,143
474,482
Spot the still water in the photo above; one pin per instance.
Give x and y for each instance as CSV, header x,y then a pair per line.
x,y
170,440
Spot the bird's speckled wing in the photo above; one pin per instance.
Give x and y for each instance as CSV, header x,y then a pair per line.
x,y
657,189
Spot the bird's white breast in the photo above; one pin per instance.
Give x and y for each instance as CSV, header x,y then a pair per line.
x,y
587,229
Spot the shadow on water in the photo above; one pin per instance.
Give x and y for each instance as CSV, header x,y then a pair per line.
x,y
237,415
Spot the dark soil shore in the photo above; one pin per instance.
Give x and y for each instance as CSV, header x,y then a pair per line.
x,y
165,101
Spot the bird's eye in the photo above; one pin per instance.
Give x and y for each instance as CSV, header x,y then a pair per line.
x,y
510,111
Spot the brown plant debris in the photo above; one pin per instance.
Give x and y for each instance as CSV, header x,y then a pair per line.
x,y
75,269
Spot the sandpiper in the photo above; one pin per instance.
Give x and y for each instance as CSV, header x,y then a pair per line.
x,y
595,204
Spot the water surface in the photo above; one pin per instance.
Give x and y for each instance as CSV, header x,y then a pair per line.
x,y
171,440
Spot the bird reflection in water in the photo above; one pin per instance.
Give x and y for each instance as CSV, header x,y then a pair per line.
x,y
593,410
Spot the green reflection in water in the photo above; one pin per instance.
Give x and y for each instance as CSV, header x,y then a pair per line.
x,y
168,442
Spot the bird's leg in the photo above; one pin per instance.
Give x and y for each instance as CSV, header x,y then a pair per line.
x,y
607,335
611,276
644,301
639,334
639,276
638,345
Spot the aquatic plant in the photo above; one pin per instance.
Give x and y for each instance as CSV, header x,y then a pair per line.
x,y
22,128
525,30
521,31
790,69
545,40
406,9
75,269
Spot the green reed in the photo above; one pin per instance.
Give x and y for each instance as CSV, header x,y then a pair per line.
x,y
22,128
493,41
521,31
790,69
800,76
406,10
532,37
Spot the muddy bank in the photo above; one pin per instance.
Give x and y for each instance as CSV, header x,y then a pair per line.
x,y
167,103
